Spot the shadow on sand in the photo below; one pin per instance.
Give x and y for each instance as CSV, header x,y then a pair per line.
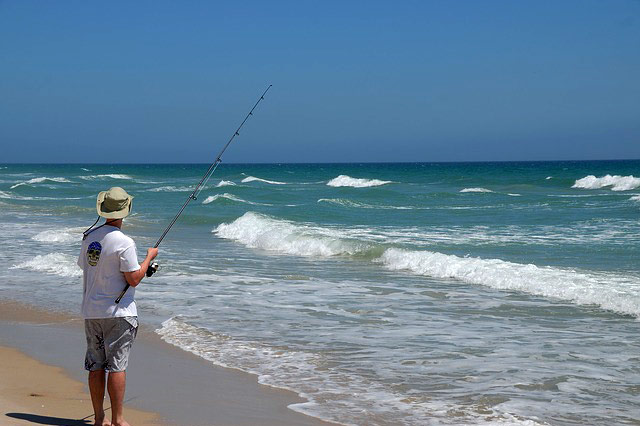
x,y
46,420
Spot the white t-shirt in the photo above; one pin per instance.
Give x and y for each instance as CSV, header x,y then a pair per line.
x,y
106,254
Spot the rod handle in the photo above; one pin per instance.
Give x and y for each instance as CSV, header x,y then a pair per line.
x,y
153,267
122,294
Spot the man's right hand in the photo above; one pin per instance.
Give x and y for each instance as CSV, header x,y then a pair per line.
x,y
152,252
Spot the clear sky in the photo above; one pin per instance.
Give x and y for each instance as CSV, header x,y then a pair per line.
x,y
168,81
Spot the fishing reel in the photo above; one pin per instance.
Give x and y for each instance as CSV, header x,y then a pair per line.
x,y
153,268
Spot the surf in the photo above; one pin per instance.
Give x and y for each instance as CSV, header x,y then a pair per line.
x,y
618,293
348,181
616,182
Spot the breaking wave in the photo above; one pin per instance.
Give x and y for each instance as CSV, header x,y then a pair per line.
x,y
253,178
475,190
171,189
617,183
344,180
40,180
348,203
108,176
635,198
608,291
620,294
8,196
227,196
225,183
52,263
263,232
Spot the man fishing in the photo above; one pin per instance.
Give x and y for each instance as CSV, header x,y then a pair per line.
x,y
109,262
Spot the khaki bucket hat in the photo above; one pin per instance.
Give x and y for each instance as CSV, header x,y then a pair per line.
x,y
114,203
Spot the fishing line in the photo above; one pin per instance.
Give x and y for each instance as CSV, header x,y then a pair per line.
x,y
153,267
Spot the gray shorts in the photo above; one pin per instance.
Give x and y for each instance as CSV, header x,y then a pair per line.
x,y
109,341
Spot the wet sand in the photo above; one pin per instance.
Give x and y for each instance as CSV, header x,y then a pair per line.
x,y
42,353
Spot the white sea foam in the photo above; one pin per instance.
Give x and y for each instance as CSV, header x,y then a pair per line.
x,y
40,180
225,183
548,177
344,180
617,183
475,190
259,231
68,235
86,170
52,263
171,189
226,195
108,176
612,292
635,198
348,203
9,196
616,293
253,178
515,195
333,395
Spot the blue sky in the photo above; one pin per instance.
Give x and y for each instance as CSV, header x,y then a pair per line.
x,y
155,81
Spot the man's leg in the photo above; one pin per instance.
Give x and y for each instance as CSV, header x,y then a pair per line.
x,y
96,388
116,384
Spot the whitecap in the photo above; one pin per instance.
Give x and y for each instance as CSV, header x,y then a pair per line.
x,y
108,176
9,196
171,189
344,180
263,232
40,180
52,263
253,178
475,190
617,183
348,203
515,195
226,195
225,183
548,177
616,293
635,198
613,292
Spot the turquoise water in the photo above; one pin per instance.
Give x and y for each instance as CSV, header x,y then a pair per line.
x,y
432,293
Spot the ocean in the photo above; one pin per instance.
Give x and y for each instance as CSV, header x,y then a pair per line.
x,y
385,294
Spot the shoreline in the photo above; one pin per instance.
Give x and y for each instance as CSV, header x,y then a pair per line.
x,y
165,384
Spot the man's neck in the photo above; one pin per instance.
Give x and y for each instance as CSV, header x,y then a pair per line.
x,y
114,222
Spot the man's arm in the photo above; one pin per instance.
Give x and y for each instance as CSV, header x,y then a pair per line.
x,y
133,278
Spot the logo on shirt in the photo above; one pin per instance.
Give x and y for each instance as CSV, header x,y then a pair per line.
x,y
93,253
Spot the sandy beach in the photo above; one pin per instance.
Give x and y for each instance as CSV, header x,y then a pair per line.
x,y
33,392
42,380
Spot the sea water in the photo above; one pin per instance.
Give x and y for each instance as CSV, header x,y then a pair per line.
x,y
388,294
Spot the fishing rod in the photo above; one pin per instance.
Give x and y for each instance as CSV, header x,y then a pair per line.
x,y
153,267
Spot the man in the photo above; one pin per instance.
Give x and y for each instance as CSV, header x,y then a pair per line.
x,y
109,261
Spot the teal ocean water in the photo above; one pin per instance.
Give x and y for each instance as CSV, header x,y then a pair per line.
x,y
388,294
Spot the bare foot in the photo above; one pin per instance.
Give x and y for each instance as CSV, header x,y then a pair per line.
x,y
120,423
102,422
